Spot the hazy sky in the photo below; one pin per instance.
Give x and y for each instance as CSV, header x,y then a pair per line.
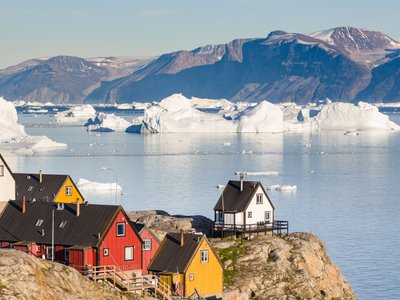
x,y
88,28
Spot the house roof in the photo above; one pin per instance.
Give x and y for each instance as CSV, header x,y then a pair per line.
x,y
140,227
171,257
82,231
29,185
234,200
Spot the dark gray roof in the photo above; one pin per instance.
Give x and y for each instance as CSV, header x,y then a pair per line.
x,y
81,231
41,191
235,200
171,257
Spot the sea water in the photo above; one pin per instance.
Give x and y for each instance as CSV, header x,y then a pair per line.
x,y
347,186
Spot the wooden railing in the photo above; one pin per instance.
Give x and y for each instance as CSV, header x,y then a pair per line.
x,y
277,226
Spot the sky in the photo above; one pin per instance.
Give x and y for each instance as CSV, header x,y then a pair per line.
x,y
92,28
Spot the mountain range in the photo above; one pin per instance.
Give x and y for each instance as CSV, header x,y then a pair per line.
x,y
342,64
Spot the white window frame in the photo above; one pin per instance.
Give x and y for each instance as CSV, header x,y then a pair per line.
x,y
106,252
68,190
124,227
38,249
1,170
49,252
267,212
129,255
204,256
249,214
39,222
146,244
62,224
66,254
259,198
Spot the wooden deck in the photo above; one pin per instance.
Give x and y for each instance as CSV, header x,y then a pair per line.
x,y
277,227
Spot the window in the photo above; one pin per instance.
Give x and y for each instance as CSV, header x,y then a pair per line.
x,y
204,256
129,253
38,249
106,252
191,276
30,188
267,215
68,190
220,216
146,244
1,170
259,199
39,222
120,229
249,214
62,224
66,254
49,252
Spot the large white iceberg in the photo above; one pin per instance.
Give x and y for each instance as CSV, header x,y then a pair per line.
x,y
108,122
175,114
76,114
97,187
13,136
264,117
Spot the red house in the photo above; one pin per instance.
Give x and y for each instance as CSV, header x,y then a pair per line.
x,y
84,235
150,245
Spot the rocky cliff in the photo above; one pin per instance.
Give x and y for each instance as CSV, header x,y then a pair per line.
x,y
295,267
291,267
25,277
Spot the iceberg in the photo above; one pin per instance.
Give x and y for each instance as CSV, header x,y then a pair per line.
x,y
14,138
107,123
175,114
76,114
97,187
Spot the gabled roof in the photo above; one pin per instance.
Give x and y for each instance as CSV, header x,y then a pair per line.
x,y
81,231
234,200
140,227
29,185
171,257
5,163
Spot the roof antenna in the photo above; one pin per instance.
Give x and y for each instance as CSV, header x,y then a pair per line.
x,y
241,175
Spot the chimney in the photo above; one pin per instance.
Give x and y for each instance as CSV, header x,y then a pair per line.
x,y
78,207
182,238
241,183
40,176
23,204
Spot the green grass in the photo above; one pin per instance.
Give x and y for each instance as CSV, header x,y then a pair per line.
x,y
231,253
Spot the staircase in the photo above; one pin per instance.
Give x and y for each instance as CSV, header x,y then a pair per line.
x,y
120,280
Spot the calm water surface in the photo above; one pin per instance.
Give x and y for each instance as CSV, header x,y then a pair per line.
x,y
347,186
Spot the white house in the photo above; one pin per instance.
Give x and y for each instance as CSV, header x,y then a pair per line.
x,y
7,182
244,206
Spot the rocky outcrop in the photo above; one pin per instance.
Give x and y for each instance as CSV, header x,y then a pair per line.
x,y
25,277
291,267
160,222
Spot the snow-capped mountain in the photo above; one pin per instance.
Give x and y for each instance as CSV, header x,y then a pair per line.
x,y
337,63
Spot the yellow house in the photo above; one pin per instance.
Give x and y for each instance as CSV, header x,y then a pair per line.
x,y
187,262
46,187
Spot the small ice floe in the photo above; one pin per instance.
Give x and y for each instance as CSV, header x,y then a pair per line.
x,y
282,188
265,173
311,171
308,145
351,132
220,186
97,187
227,144
247,152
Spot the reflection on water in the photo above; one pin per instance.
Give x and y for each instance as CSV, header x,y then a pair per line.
x,y
347,186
